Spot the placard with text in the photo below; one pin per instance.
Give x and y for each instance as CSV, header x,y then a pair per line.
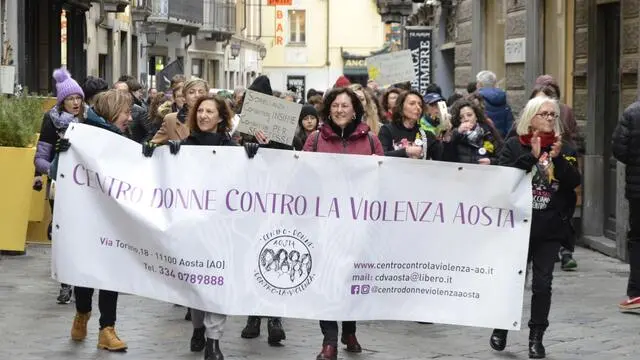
x,y
277,118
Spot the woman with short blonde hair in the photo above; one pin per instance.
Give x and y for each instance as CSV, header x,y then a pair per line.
x,y
539,149
111,103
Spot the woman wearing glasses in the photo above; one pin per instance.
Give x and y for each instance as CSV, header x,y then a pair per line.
x,y
538,147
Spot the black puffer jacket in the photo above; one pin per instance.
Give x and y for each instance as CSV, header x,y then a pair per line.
x,y
470,149
626,148
554,193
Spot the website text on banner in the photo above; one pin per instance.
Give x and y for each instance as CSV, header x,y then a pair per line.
x,y
300,235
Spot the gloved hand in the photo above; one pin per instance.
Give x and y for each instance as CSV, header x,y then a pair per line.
x,y
251,149
148,147
37,183
62,145
174,146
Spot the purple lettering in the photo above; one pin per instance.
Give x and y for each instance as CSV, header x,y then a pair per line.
x,y
209,202
228,199
299,204
75,174
286,202
157,194
474,215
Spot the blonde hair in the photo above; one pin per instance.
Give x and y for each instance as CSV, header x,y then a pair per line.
x,y
194,82
530,110
111,103
370,111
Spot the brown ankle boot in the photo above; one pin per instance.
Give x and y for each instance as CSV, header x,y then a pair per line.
x,y
109,340
79,328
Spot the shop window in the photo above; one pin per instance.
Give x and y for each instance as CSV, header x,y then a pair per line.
x,y
297,34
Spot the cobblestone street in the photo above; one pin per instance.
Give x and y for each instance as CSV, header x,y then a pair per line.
x,y
585,324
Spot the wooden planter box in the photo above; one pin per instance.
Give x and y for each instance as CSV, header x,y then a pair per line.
x,y
15,192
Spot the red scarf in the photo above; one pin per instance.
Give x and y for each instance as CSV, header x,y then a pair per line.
x,y
546,139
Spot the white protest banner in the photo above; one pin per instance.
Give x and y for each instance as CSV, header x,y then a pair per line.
x,y
300,235
391,68
277,118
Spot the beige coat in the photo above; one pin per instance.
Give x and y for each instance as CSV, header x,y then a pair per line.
x,y
171,129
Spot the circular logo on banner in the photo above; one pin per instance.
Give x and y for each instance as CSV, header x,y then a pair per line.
x,y
285,262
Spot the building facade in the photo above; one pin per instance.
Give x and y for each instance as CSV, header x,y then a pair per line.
x,y
310,43
110,38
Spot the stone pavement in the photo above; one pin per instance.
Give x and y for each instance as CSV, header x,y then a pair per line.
x,y
585,324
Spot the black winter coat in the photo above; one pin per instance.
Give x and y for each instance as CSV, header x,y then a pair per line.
x,y
208,139
554,193
470,151
625,144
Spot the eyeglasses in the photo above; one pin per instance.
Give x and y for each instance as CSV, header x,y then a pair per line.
x,y
548,114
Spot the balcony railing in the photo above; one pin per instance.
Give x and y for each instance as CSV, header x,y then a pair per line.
x,y
141,9
183,16
219,18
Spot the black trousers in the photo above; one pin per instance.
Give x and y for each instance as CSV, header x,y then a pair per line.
x,y
330,331
542,255
633,245
107,303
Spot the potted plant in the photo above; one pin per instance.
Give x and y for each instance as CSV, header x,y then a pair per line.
x,y
20,119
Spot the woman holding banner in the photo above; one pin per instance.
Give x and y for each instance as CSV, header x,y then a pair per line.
x,y
112,111
342,132
403,136
539,148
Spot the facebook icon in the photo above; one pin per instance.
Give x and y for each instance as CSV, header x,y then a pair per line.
x,y
355,289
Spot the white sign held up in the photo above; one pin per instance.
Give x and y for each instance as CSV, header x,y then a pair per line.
x,y
391,68
312,236
277,118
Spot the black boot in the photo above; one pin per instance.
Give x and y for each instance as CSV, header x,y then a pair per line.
x,y
198,340
276,332
498,340
252,329
212,350
536,349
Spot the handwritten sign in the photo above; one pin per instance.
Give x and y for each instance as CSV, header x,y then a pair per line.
x,y
277,118
391,68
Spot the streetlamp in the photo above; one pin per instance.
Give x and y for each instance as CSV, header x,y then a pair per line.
x,y
262,52
235,50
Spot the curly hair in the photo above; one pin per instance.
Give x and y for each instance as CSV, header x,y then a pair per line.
x,y
397,115
331,97
224,112
458,105
480,117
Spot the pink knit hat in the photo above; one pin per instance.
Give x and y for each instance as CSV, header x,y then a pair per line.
x,y
65,85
